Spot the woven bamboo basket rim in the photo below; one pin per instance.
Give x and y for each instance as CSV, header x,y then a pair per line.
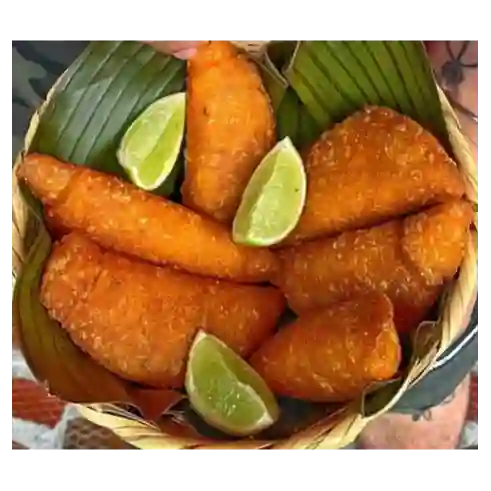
x,y
335,430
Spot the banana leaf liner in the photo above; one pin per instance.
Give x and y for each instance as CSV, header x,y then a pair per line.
x,y
312,85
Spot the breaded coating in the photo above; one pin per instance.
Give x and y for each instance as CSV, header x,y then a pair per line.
x,y
374,166
435,240
118,215
230,127
408,259
332,354
138,320
55,229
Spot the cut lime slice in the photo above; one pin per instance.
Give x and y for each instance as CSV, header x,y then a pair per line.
x,y
150,147
225,391
273,199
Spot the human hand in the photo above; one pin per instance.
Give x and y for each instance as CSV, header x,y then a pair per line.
x,y
179,49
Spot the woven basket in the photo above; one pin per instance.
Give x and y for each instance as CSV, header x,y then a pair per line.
x,y
335,430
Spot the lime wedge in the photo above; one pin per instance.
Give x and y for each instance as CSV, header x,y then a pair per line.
x,y
273,199
225,391
150,147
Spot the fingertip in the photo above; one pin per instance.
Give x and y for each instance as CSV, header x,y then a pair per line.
x,y
185,54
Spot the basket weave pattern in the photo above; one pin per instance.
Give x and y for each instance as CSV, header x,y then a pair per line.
x,y
334,430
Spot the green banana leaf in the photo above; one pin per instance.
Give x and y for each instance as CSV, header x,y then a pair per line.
x,y
276,85
292,117
294,120
82,122
335,78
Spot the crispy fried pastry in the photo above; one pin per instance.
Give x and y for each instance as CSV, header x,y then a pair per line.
x,y
138,320
374,166
332,354
408,259
230,127
118,215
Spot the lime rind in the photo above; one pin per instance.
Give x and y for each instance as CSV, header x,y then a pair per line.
x,y
274,198
150,147
245,404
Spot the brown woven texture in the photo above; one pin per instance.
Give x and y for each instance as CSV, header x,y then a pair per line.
x,y
333,430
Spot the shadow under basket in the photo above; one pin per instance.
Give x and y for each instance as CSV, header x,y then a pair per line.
x,y
313,426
